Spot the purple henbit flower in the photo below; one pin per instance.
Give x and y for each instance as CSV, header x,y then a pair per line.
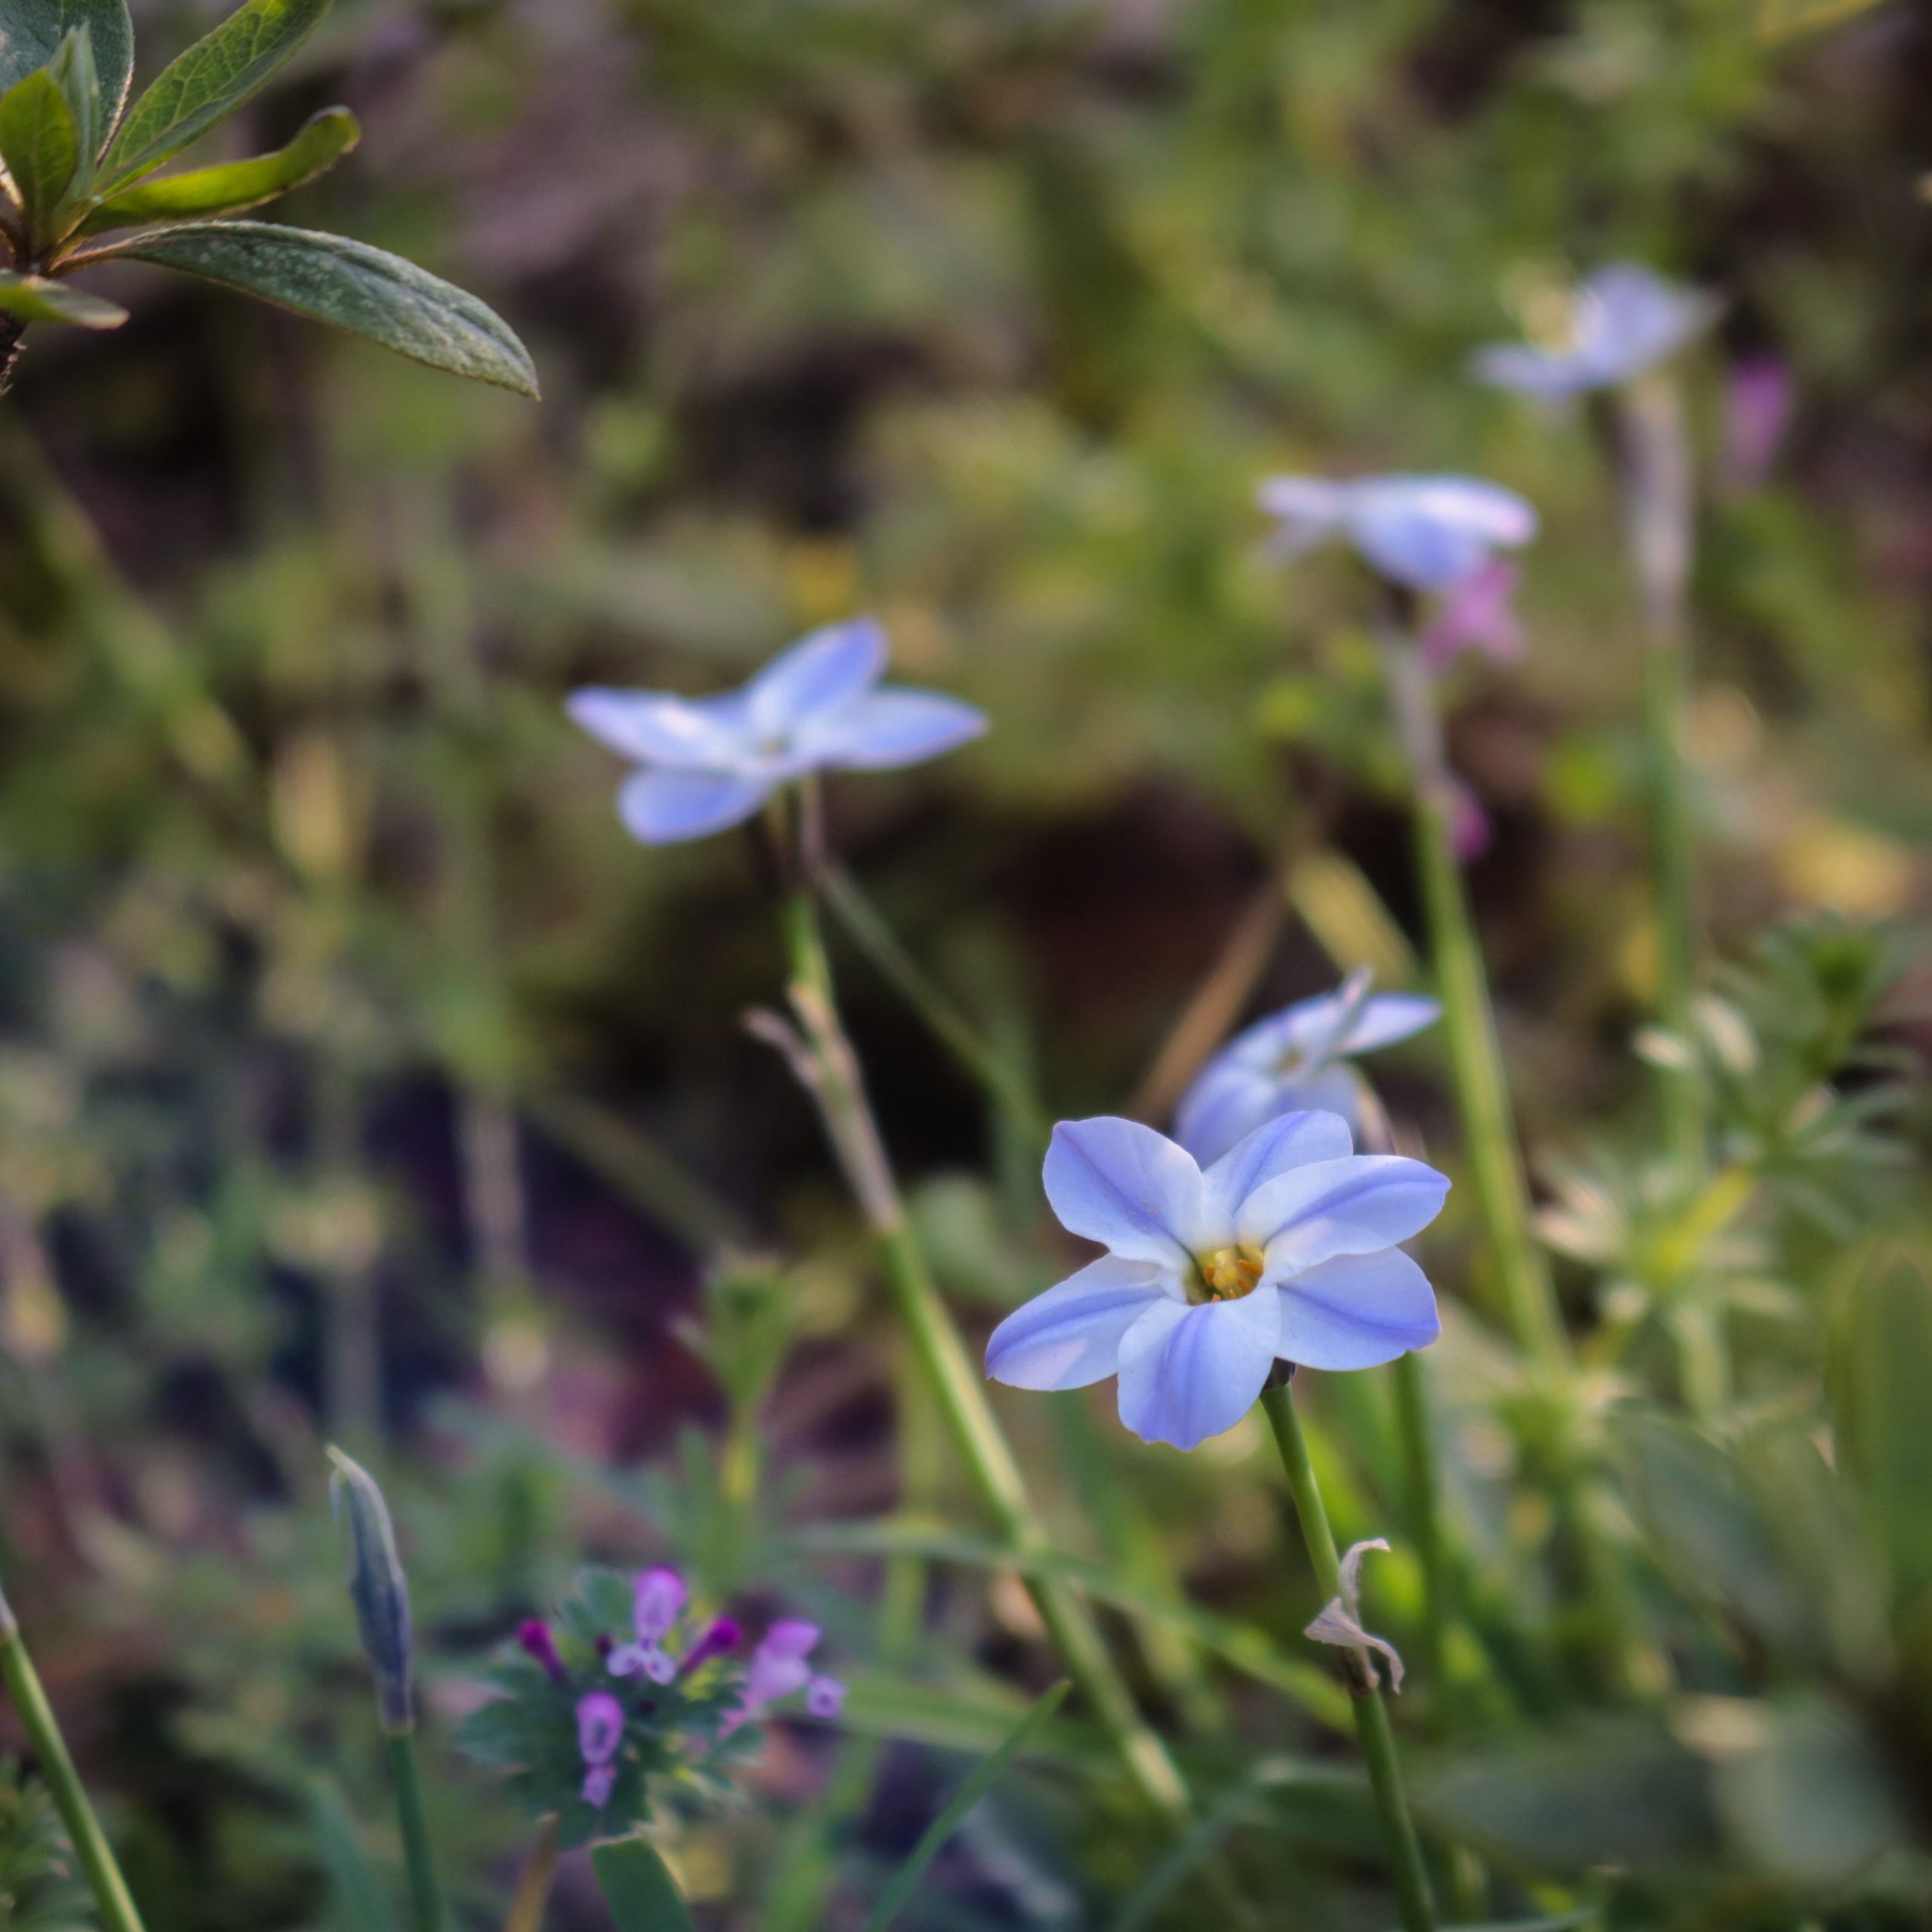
x,y
535,1638
1622,320
723,1637
1477,613
778,1669
706,764
1284,1250
658,1601
1295,1061
600,1732
1423,533
825,1698
1758,405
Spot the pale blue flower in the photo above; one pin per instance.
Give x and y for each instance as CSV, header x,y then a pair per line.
x,y
1425,533
1295,1060
1623,320
708,763
1284,1249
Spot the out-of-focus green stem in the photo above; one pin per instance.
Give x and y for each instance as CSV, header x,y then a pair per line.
x,y
1422,1482
828,1065
533,1888
1378,1740
112,1897
425,1894
1655,481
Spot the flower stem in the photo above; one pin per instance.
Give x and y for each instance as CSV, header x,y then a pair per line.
x,y
112,1897
831,1069
533,1887
1655,476
1378,1741
425,1896
1418,1468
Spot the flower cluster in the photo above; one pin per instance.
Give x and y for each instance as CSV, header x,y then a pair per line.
x,y
624,1705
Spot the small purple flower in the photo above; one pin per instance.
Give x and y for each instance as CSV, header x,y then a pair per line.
x,y
1477,613
1758,405
1425,533
779,1669
825,1698
1623,320
598,1782
657,1602
705,764
1284,1249
600,1727
1294,1061
723,1636
535,1638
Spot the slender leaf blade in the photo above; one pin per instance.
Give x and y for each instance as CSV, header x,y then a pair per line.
x,y
39,143
33,298
228,190
905,1881
207,82
356,1900
76,75
642,1895
331,278
31,31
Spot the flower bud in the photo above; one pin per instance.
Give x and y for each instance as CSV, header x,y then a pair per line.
x,y
376,1586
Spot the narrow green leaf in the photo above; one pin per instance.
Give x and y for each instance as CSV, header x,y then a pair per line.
x,y
905,1881
33,298
642,1895
31,31
207,82
356,1900
39,143
361,289
73,73
237,185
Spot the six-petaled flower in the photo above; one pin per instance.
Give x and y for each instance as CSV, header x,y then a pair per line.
x,y
708,763
1424,532
1295,1061
1284,1249
1623,320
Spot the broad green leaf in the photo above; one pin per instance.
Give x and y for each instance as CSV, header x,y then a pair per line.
x,y
32,32
355,287
237,185
207,82
905,1881
39,143
33,298
642,1895
1881,1373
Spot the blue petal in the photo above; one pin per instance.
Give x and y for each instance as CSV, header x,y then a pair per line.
x,y
1427,531
660,808
1122,1184
1632,318
1287,1141
1387,1018
822,672
1356,1311
1310,510
1070,1336
1516,365
655,727
1187,1373
1351,1207
1226,1101
891,728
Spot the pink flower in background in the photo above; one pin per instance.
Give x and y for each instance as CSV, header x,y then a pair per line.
x,y
1477,613
1757,406
1469,829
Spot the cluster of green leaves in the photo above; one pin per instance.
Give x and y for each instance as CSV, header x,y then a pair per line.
x,y
679,1747
39,1889
82,163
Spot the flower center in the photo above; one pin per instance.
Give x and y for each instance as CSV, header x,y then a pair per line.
x,y
1226,1274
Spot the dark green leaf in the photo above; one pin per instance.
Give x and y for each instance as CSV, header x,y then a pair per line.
x,y
322,141
1881,1373
355,287
207,82
72,68
905,1881
642,1895
32,32
39,143
32,298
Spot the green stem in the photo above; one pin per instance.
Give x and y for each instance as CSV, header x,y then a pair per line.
x,y
829,1067
425,1896
1658,514
112,1897
1378,1740
1422,1482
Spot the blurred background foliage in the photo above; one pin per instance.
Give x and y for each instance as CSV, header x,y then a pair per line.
x,y
358,1078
